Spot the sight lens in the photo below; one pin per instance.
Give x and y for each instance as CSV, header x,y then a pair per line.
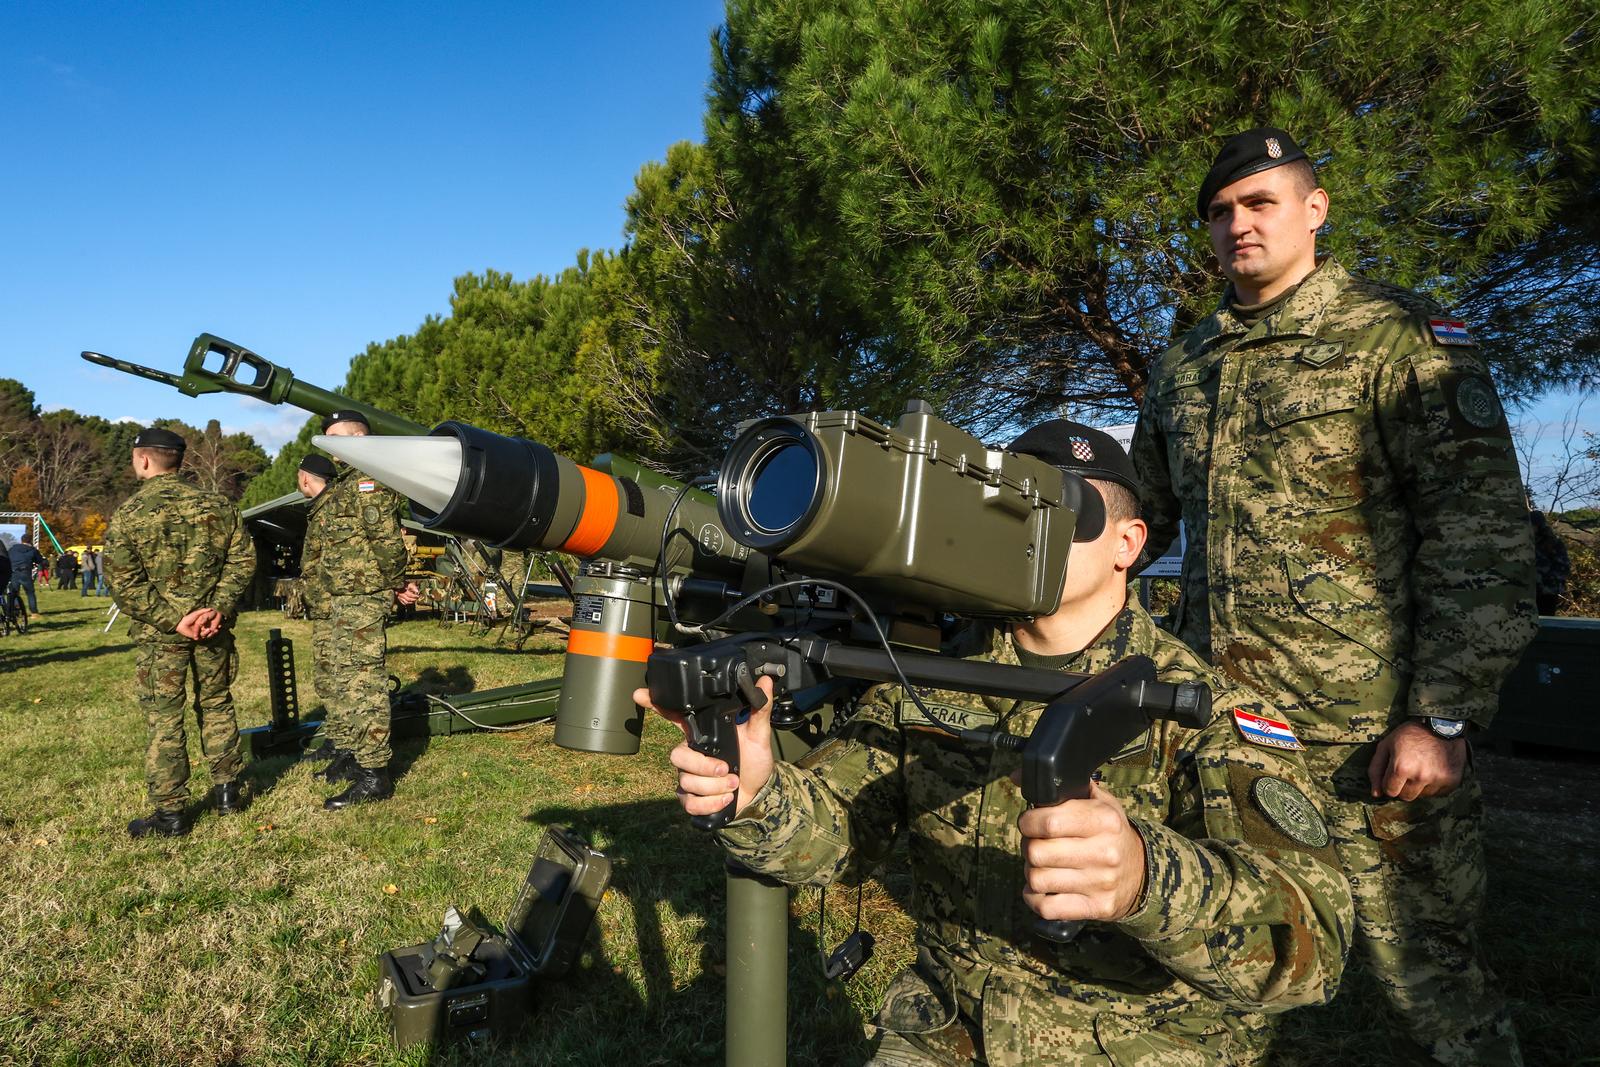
x,y
782,486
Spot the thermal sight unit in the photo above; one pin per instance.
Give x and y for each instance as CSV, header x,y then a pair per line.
x,y
921,515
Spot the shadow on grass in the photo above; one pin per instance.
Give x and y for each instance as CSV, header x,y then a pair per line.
x,y
669,873
16,659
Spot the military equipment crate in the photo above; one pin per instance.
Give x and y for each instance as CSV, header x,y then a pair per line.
x,y
475,983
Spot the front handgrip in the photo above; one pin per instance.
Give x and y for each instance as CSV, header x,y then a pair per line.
x,y
1062,931
1058,930
716,733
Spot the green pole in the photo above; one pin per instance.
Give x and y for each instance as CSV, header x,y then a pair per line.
x,y
758,970
52,534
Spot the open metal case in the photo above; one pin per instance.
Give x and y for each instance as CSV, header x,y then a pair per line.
x,y
475,983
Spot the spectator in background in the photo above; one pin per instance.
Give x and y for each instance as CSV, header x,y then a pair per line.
x,y
1551,565
100,574
66,569
88,573
24,558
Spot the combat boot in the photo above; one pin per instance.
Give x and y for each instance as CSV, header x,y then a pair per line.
x,y
228,798
325,751
371,783
165,823
342,769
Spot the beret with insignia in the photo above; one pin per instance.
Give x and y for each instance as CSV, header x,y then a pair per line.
x,y
350,415
1083,450
318,466
156,437
1242,155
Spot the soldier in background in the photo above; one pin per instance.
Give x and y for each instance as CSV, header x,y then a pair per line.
x,y
178,560
314,474
1358,552
353,569
1205,908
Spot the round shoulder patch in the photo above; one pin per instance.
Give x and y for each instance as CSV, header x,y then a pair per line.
x,y
371,514
1290,810
1477,403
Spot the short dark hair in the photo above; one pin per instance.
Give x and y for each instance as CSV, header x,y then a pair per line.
x,y
1121,502
1305,177
167,459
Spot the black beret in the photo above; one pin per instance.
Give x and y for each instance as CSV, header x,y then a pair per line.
x,y
344,416
156,437
1242,155
1083,450
318,466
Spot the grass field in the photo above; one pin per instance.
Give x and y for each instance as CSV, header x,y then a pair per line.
x,y
255,939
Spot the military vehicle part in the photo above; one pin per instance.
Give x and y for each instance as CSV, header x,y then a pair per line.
x,y
218,366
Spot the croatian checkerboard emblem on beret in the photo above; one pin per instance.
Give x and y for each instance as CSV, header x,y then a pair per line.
x,y
1082,450
1274,149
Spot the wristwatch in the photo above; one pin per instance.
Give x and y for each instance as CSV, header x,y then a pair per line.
x,y
1447,729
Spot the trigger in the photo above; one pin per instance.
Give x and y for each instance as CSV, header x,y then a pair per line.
x,y
753,696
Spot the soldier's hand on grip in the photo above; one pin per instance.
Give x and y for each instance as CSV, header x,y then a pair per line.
x,y
1082,859
704,783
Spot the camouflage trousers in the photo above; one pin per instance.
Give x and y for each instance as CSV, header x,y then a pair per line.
x,y
1001,1019
163,671
350,676
1417,873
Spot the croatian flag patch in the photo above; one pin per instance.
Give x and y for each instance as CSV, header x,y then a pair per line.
x,y
1449,332
366,485
1261,730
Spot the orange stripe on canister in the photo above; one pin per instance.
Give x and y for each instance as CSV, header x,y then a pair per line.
x,y
599,516
609,646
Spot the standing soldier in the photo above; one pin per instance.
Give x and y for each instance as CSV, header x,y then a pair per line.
x,y
1358,553
352,568
178,560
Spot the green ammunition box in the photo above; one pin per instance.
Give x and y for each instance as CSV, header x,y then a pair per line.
x,y
473,983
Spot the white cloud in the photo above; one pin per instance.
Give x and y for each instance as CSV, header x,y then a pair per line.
x,y
273,426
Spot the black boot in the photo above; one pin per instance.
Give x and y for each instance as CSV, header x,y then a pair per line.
x,y
228,798
371,783
165,823
325,751
342,769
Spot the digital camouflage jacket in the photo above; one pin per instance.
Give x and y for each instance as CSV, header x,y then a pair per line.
x,y
1358,544
1244,910
173,547
353,543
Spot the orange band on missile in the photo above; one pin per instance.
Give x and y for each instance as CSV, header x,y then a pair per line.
x,y
599,516
609,646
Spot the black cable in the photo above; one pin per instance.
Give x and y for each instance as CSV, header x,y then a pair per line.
x,y
987,736
666,534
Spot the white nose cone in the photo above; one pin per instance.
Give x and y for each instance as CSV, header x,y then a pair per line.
x,y
425,470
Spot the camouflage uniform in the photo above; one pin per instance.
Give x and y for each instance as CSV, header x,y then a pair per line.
x,y
172,548
354,560
1357,552
1238,917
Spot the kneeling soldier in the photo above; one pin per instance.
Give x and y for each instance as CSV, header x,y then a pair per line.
x,y
1200,859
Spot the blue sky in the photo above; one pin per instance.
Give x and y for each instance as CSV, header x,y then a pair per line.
x,y
304,180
